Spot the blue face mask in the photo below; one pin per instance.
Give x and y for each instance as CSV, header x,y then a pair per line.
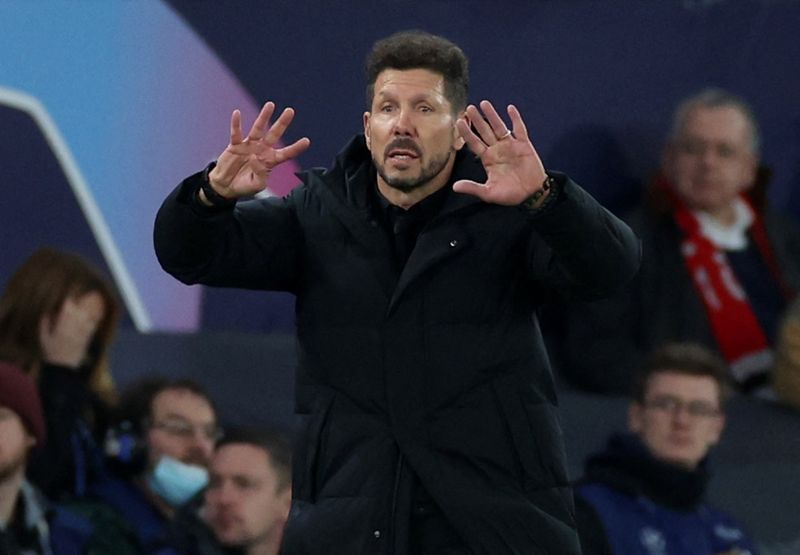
x,y
176,482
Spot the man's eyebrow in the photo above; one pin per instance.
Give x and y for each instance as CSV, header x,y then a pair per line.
x,y
177,416
431,96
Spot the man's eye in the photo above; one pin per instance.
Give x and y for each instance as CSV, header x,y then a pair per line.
x,y
425,109
386,108
693,147
244,483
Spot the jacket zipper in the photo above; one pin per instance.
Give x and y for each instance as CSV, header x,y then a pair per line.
x,y
393,515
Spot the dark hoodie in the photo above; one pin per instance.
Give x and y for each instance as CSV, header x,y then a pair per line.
x,y
663,495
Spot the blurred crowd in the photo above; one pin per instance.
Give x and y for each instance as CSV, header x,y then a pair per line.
x,y
87,469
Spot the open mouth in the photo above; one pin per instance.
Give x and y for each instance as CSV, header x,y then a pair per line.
x,y
404,151
401,154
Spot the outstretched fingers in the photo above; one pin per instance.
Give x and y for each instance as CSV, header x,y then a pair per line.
x,y
278,128
520,131
261,122
293,150
470,188
236,127
499,130
474,142
482,126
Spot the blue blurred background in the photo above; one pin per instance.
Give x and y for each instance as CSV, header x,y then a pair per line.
x,y
105,106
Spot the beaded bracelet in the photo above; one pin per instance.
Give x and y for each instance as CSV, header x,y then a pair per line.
x,y
211,195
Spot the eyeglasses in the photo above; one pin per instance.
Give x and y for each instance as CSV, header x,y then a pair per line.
x,y
673,405
186,430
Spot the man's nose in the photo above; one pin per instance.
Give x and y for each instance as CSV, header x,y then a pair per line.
x,y
404,123
681,415
202,445
225,494
709,157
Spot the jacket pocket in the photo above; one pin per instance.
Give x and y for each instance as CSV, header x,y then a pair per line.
x,y
308,447
535,435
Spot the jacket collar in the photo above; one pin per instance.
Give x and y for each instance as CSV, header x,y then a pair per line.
x,y
353,171
344,190
627,466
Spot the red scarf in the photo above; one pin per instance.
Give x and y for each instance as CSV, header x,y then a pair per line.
x,y
739,335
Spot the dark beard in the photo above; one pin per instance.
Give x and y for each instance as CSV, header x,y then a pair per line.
x,y
406,185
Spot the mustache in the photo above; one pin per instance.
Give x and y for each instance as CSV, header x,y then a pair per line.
x,y
403,143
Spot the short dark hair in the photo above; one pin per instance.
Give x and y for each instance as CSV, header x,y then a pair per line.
x,y
274,443
691,359
136,401
421,50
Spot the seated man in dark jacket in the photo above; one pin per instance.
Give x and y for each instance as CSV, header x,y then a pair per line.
x,y
29,523
644,494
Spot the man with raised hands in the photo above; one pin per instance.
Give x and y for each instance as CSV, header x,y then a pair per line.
x,y
428,404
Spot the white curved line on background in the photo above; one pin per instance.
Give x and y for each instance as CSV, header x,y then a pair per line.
x,y
100,230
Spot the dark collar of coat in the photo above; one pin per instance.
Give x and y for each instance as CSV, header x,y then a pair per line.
x,y
628,466
344,188
353,172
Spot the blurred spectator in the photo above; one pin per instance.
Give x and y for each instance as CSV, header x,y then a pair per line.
x,y
786,377
645,492
249,494
718,266
57,318
160,449
29,524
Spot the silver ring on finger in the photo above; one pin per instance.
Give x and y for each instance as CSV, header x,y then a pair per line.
x,y
505,135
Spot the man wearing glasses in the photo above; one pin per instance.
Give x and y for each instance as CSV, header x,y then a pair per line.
x,y
161,450
644,493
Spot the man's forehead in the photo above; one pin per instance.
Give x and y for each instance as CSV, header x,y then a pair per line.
x,y
181,402
240,459
680,384
724,123
423,81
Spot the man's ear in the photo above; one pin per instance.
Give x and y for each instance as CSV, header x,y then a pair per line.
x,y
366,128
458,140
749,180
286,501
716,431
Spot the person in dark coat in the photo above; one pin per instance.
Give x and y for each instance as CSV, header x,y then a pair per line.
x,y
159,450
719,267
29,522
428,405
645,493
58,315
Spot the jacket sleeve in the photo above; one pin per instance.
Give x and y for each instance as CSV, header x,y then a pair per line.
x,y
254,245
589,253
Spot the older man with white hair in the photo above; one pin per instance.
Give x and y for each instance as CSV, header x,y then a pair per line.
x,y
719,267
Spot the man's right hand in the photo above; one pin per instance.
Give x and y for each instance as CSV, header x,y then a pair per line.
x,y
243,168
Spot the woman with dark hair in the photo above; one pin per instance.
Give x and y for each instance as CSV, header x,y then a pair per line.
x,y
57,318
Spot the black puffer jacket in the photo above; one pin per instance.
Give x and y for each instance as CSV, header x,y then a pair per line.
x,y
440,369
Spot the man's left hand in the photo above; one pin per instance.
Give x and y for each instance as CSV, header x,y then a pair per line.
x,y
513,168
